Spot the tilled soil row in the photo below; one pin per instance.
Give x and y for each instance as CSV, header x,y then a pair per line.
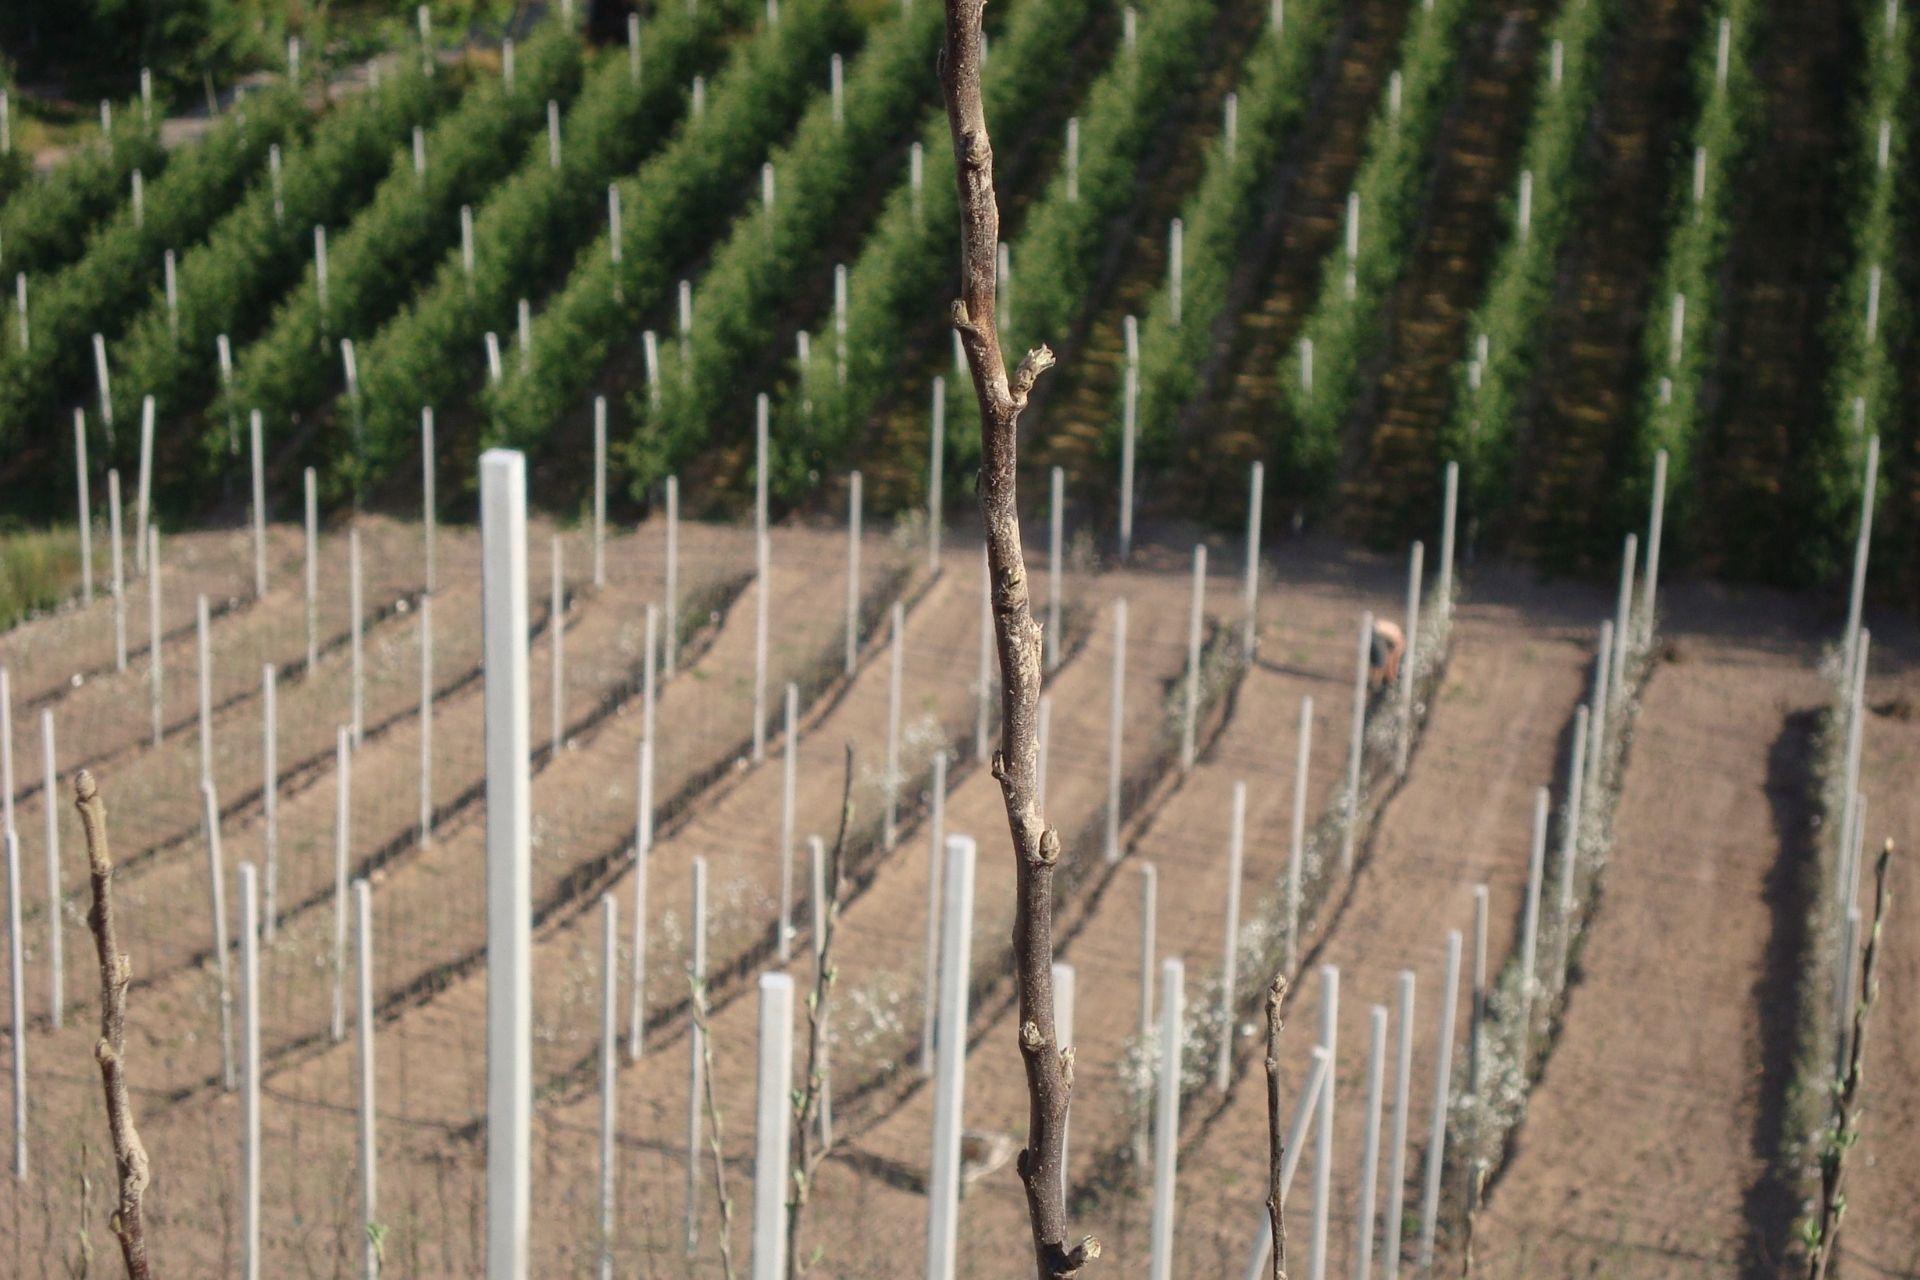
x,y
1462,816
49,656
1646,1153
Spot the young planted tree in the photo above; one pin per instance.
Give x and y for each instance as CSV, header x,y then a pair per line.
x,y
1036,846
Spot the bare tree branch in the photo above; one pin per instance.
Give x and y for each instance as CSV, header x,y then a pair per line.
x,y
1846,1125
1036,847
129,1155
807,1159
715,1142
1276,1129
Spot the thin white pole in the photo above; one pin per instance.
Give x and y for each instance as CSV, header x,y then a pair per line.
x,y
1863,540
429,504
205,689
1230,936
1149,926
1570,822
49,772
1442,1088
254,433
6,751
642,860
16,969
342,855
936,464
1312,1090
599,491
217,886
773,1126
1063,1001
503,544
983,681
1351,800
154,667
1370,1149
1131,403
1117,710
369,1150
1046,739
143,496
354,605
1250,625
557,618
1056,522
86,505
250,1073
313,572
1297,829
119,573
1166,1118
1404,744
1622,628
1449,515
609,1066
788,768
1656,521
936,843
891,783
949,1084
270,789
1597,749
697,1055
426,718
1402,1109
761,411
1195,612
1530,925
1323,1131
761,606
672,633
853,570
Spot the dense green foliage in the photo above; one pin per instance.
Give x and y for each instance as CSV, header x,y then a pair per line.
x,y
1866,375
820,177
668,212
227,285
1392,185
46,224
524,233
1219,219
1481,430
376,262
38,569
907,263
1692,265
103,289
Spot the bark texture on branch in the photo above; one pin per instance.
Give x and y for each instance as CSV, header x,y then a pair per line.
x,y
1036,846
1276,1128
129,1155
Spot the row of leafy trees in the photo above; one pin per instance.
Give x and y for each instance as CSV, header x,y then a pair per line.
x,y
821,179
1219,221
1389,194
44,224
668,210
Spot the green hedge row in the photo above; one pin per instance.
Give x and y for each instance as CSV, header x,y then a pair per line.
x,y
820,177
374,265
1481,430
1692,264
1392,185
123,262
668,213
228,284
1219,219
45,224
522,236
1865,358
907,264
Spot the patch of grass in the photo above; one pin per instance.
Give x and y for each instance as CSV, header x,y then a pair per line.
x,y
37,571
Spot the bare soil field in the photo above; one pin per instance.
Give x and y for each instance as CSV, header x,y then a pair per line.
x,y
1646,1147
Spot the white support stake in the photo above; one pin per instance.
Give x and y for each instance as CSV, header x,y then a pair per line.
x,y
1397,1144
1063,1000
355,605
949,1082
1442,1091
503,544
697,1055
313,572
369,1149
1128,422
1365,1218
1196,612
1350,802
1250,602
609,1070
1403,746
143,494
1056,528
16,969
762,604
1116,716
50,774
217,902
853,570
1530,926
205,689
1323,1128
936,844
270,792
249,1073
119,572
1656,521
891,782
1230,937
1166,1119
789,763
1863,540
773,1126
1622,629
936,462
1297,829
599,491
86,505
259,506
342,857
